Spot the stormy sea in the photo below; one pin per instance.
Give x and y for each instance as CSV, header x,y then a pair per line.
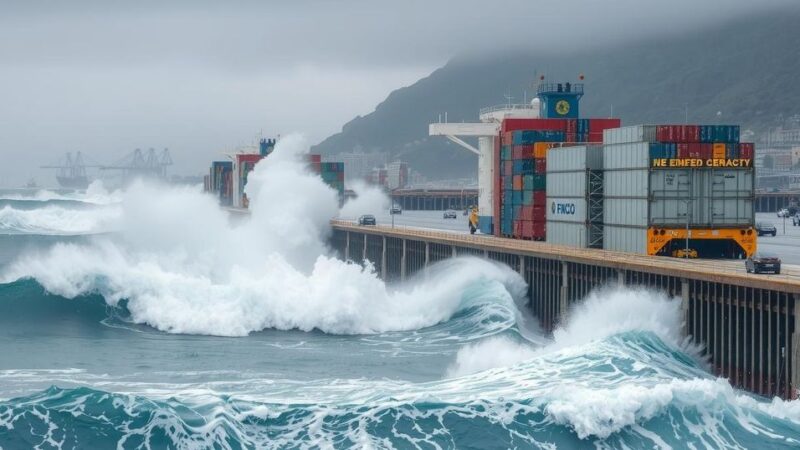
x,y
149,317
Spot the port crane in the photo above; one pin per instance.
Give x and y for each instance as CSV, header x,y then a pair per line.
x,y
149,164
71,171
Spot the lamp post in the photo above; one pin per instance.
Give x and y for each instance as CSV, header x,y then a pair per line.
x,y
688,202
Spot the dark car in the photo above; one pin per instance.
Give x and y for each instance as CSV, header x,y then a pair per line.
x,y
763,228
763,262
796,219
367,219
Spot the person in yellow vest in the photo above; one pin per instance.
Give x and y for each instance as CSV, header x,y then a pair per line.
x,y
473,220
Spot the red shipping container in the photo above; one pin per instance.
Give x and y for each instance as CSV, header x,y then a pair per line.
x,y
540,165
595,137
539,212
539,230
683,150
517,228
508,167
678,133
314,158
521,151
571,137
598,125
539,199
747,150
572,126
533,124
527,229
506,138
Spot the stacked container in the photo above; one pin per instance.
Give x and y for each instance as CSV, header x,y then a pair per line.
x,y
669,179
521,184
522,178
220,181
574,195
332,173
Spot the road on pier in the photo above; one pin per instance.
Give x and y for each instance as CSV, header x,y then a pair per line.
x,y
785,245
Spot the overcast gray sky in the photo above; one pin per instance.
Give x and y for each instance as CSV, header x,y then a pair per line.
x,y
202,77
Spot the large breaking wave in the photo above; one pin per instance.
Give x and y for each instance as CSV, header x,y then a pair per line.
x,y
626,387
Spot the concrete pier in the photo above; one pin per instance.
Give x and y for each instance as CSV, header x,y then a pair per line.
x,y
745,322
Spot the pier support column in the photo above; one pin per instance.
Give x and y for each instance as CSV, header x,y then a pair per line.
x,y
522,267
346,245
403,262
621,277
427,253
383,260
364,252
455,253
685,306
563,296
794,351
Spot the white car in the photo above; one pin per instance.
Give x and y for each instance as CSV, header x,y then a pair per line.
x,y
450,214
783,212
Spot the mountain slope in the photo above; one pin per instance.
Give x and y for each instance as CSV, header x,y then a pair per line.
x,y
742,71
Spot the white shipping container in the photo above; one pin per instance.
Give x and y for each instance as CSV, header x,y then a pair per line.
x,y
566,210
567,184
566,233
625,239
623,211
626,156
575,158
635,133
625,183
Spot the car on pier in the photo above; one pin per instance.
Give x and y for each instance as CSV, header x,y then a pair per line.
x,y
396,210
783,212
763,262
763,228
450,214
796,219
367,219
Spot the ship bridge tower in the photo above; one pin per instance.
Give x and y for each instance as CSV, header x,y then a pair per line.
x,y
559,100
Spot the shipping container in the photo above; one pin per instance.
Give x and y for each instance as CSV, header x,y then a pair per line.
x,y
629,155
597,126
533,124
530,137
541,166
540,149
678,133
719,133
573,234
718,151
631,134
625,239
579,157
747,151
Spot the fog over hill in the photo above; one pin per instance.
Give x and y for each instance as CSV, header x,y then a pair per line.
x,y
740,71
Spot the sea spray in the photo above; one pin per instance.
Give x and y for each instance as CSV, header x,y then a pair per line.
x,y
183,268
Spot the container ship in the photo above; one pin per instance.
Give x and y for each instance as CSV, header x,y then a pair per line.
x,y
548,174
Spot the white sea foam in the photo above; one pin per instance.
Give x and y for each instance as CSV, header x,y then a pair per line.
x,y
95,193
184,268
57,220
369,200
602,314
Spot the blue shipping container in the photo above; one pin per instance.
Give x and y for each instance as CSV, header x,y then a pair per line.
x,y
530,137
583,126
516,198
